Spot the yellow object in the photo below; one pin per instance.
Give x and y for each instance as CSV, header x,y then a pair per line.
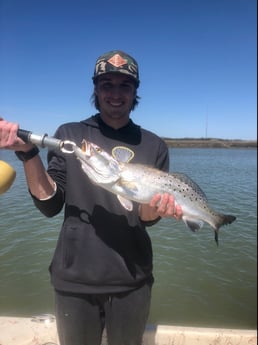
x,y
7,176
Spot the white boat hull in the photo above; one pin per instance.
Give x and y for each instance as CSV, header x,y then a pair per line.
x,y
42,331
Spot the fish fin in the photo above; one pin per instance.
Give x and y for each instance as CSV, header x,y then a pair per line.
x,y
128,185
127,204
122,154
193,224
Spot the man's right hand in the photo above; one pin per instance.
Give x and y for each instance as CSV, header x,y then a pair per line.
x,y
9,139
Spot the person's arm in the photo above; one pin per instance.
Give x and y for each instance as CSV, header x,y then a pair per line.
x,y
40,184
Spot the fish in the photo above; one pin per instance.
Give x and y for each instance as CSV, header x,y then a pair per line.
x,y
139,183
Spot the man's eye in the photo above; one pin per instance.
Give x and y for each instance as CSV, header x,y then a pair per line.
x,y
106,86
126,86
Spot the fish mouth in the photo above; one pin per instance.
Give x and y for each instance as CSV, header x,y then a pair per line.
x,y
87,148
83,153
100,168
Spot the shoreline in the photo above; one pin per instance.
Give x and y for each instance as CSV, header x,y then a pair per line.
x,y
210,143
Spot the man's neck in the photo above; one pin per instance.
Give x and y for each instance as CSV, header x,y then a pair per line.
x,y
113,122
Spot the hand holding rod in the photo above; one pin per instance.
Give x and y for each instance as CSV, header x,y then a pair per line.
x,y
40,140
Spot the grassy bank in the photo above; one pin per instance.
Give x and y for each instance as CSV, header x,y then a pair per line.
x,y
210,143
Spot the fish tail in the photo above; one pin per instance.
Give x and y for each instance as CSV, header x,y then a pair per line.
x,y
222,219
216,237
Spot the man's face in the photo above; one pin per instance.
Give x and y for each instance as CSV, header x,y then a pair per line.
x,y
116,94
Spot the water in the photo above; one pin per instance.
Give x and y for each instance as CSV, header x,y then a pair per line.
x,y
196,282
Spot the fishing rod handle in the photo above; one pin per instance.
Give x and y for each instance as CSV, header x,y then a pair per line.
x,y
24,135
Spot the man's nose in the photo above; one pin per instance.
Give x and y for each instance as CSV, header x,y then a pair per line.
x,y
116,91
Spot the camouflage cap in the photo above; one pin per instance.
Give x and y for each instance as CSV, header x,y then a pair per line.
x,y
117,61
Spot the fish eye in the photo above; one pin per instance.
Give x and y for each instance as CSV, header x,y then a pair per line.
x,y
98,149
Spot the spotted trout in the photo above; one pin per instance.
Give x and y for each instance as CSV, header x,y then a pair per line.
x,y
139,183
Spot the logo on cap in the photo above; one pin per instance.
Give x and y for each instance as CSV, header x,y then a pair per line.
x,y
117,60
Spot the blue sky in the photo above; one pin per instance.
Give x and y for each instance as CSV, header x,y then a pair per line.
x,y
197,62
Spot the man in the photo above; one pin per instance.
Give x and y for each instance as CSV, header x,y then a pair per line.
x,y
102,266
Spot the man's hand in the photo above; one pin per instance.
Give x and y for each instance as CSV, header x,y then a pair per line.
x,y
160,206
9,139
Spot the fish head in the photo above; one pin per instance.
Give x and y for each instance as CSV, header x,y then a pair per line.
x,y
97,164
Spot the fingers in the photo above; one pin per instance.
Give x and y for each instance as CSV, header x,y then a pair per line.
x,y
8,134
166,206
179,212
